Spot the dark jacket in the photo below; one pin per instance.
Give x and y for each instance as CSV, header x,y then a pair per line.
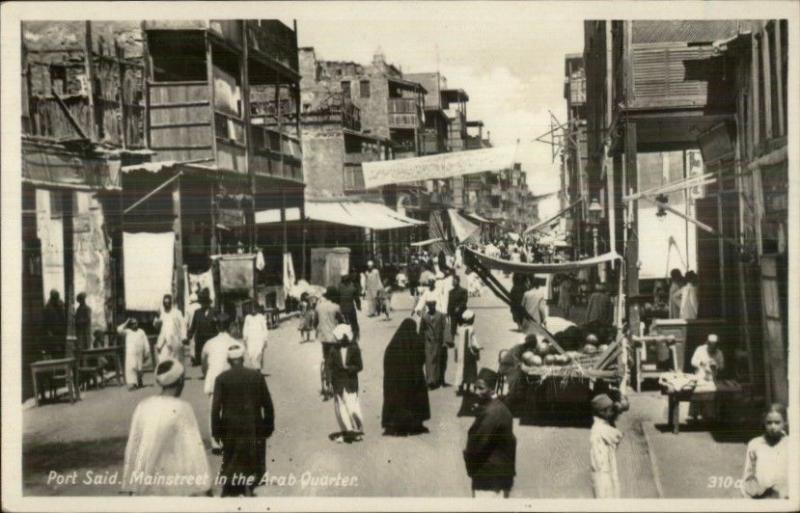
x,y
345,373
349,298
491,450
242,406
204,326
457,303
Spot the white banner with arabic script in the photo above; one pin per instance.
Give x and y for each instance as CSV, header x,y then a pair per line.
x,y
444,165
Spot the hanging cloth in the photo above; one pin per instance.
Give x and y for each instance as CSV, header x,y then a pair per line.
x,y
147,269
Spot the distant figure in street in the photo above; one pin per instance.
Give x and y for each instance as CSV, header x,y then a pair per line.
x,y
441,260
384,300
429,293
413,272
432,330
372,284
405,393
444,284
329,315
688,296
242,418
456,303
766,466
215,361
165,439
474,284
491,451
345,364
467,352
604,440
708,361
55,326
511,367
308,321
204,325
172,331
675,285
534,303
350,302
599,309
565,293
137,350
426,275
83,323
518,288
255,335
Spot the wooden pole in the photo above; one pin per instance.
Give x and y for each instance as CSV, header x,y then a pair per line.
x,y
123,115
767,78
632,253
177,228
89,66
721,246
776,34
146,78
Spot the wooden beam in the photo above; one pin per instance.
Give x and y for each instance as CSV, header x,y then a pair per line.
x,y
756,99
151,193
72,121
767,74
779,77
146,79
88,60
123,125
177,228
721,247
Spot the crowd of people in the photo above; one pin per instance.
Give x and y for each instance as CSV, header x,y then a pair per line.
x,y
165,437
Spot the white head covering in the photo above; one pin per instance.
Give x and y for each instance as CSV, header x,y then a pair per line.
x,y
370,263
440,275
468,315
713,338
235,351
171,376
344,272
343,330
193,298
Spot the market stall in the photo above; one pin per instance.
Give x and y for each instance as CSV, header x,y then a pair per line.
x,y
550,376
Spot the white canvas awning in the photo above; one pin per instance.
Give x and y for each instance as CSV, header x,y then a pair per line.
x,y
361,214
273,215
445,165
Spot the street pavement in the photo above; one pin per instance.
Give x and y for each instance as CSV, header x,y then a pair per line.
x,y
552,461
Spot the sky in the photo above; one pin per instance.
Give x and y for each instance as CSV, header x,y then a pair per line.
x,y
509,57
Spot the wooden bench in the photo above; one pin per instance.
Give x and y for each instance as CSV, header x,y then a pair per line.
x,y
65,365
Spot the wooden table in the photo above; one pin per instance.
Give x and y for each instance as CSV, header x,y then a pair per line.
x,y
675,398
67,365
112,353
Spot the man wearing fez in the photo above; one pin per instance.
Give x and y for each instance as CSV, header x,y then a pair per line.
x,y
490,455
242,418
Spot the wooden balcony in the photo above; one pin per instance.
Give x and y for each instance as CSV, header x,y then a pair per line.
x,y
404,113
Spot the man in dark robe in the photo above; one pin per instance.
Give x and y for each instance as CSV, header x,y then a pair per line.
x,y
55,326
350,303
441,260
413,273
599,309
431,328
242,418
204,326
83,324
456,304
490,455
405,394
518,288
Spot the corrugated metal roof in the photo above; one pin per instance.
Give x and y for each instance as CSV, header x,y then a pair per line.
x,y
689,31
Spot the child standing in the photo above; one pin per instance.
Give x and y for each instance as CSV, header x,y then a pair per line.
x,y
467,353
604,440
308,322
766,463
384,299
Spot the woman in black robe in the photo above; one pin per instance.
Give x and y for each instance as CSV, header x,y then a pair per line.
x,y
518,289
405,392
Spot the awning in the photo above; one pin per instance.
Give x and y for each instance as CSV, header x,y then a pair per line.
x,y
440,166
476,217
362,214
463,229
518,267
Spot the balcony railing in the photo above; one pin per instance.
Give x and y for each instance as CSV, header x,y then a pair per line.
x,y
336,108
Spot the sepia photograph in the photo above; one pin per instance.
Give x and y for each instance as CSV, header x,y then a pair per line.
x,y
418,255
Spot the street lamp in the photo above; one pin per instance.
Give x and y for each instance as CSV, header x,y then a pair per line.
x,y
595,211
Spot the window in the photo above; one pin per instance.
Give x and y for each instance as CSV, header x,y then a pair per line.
x,y
365,88
346,88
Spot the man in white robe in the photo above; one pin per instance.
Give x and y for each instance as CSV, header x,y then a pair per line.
x,y
372,284
137,350
165,455
255,334
172,332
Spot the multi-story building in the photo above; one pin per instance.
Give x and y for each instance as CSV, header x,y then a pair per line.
x,y
81,122
674,100
574,176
